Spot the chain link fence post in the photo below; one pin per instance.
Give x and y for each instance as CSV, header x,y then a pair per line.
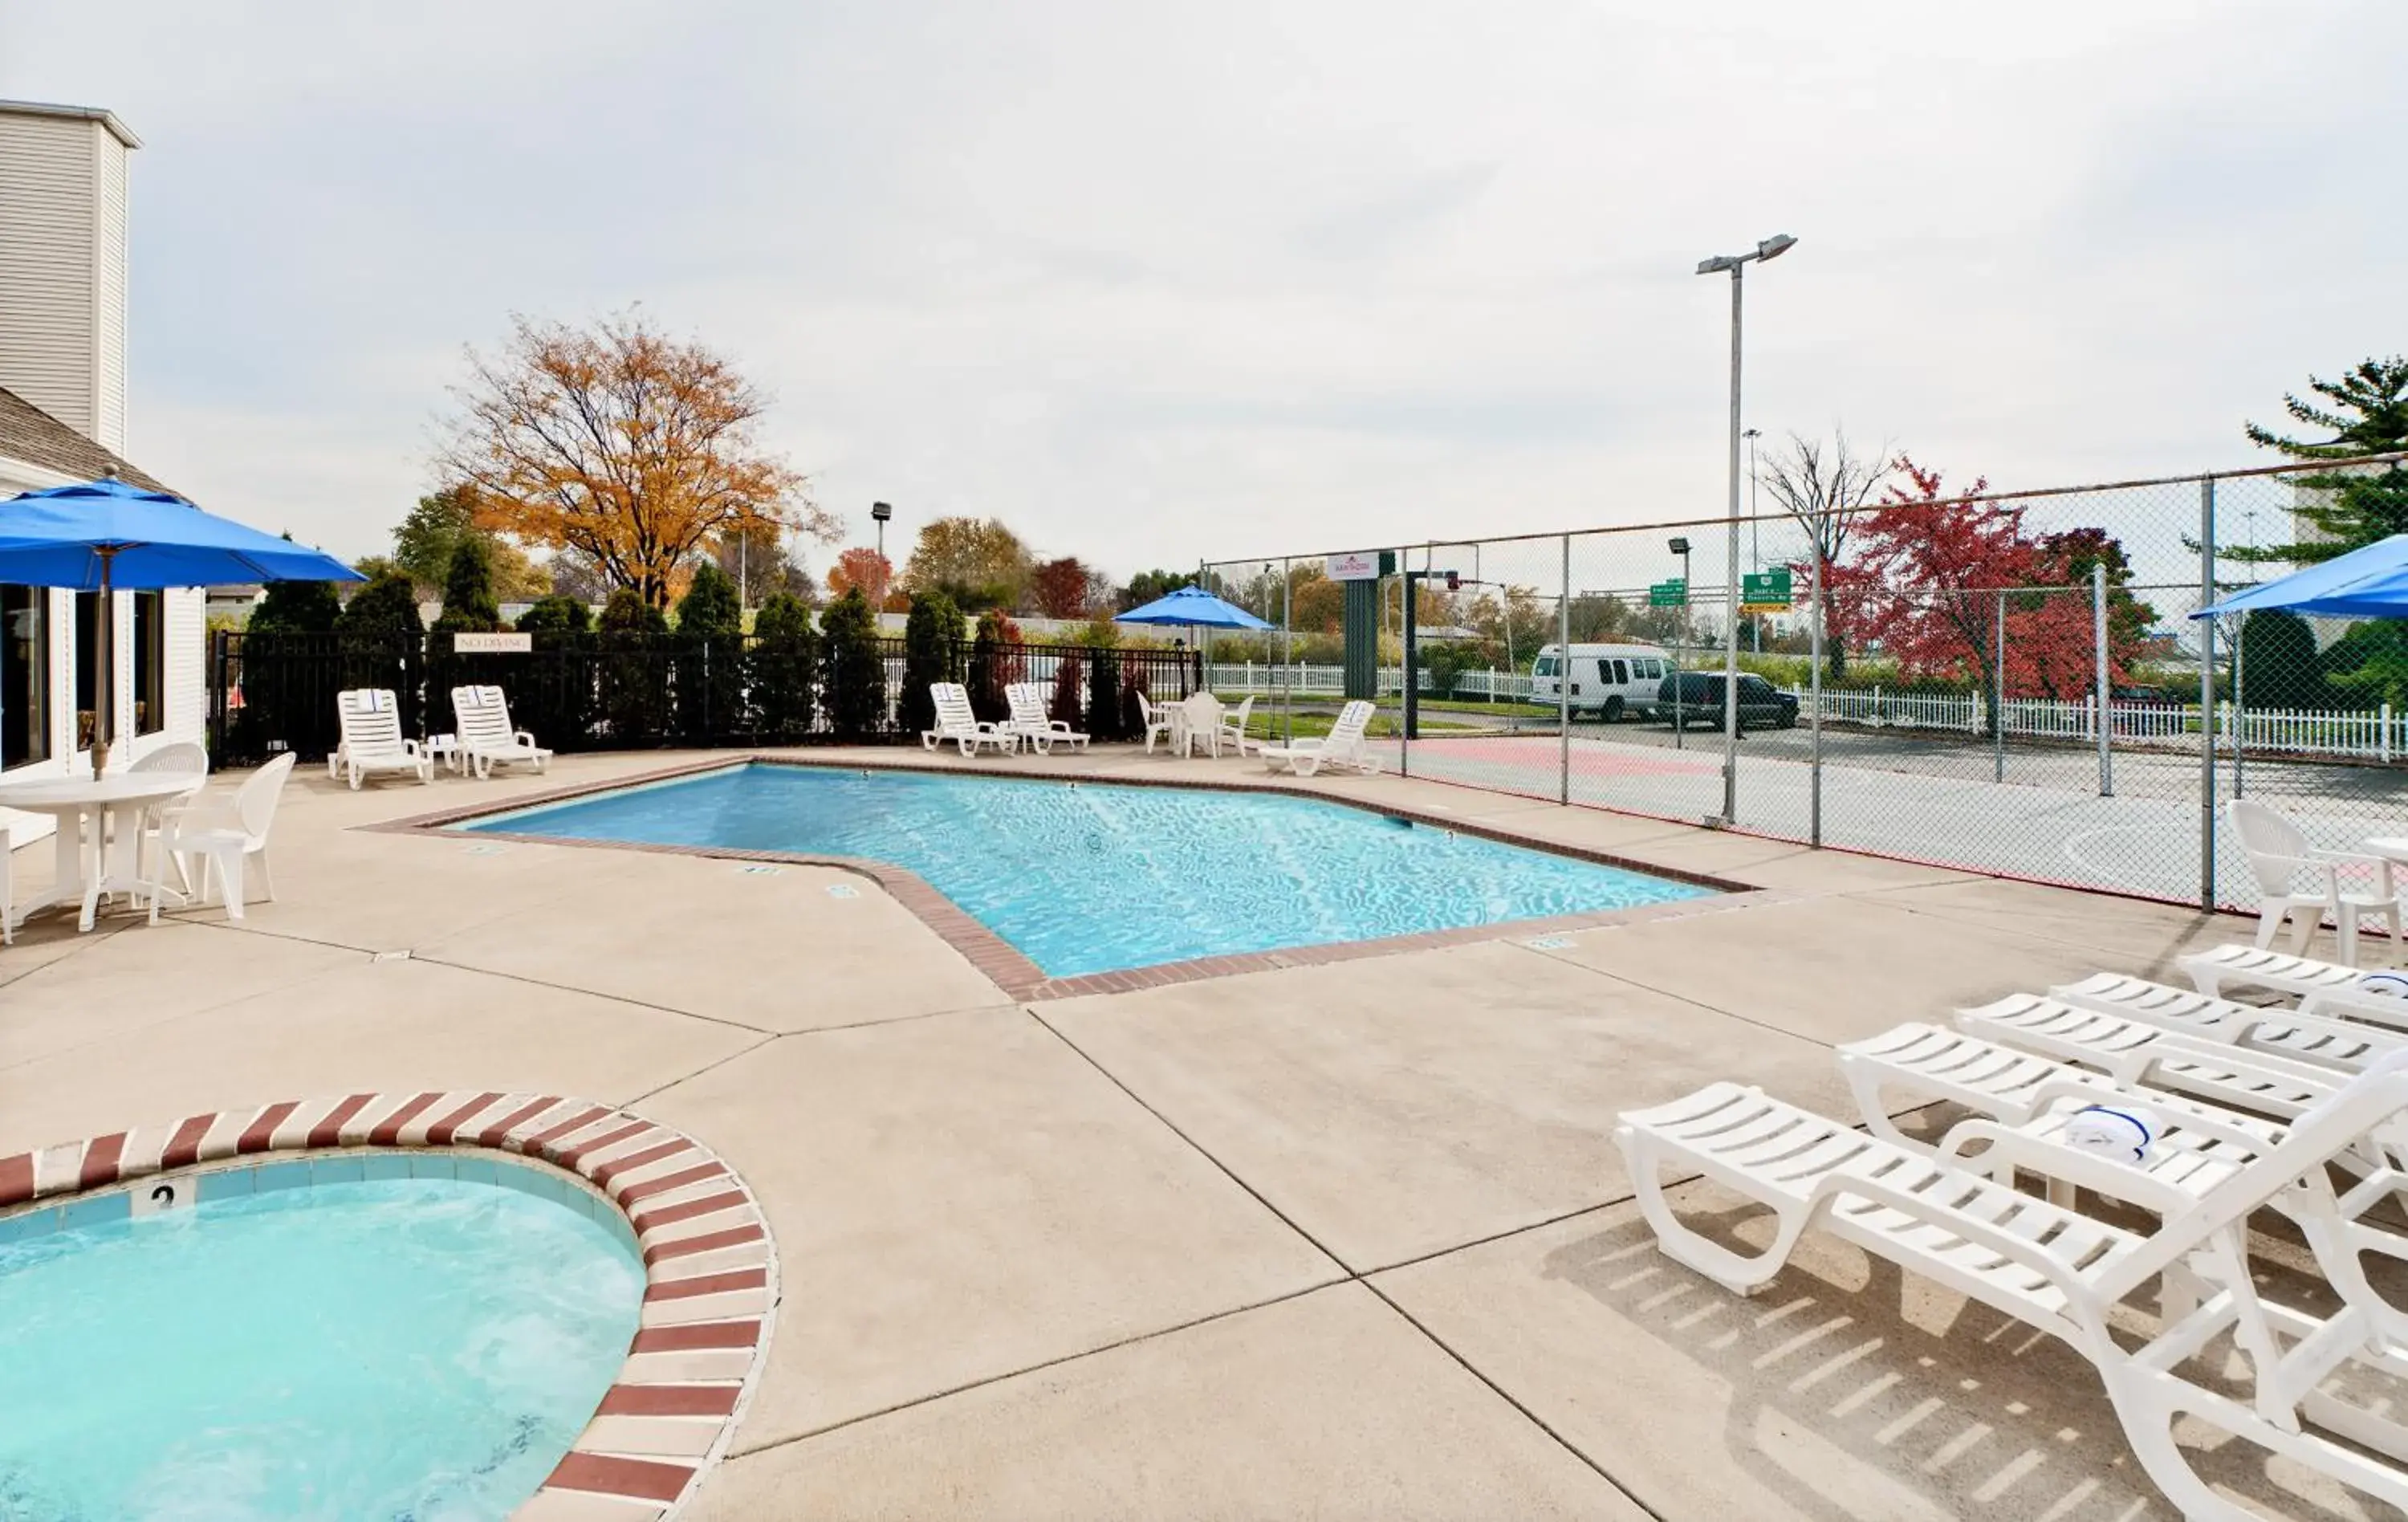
x,y
1563,680
1814,663
1999,695
2207,696
2106,686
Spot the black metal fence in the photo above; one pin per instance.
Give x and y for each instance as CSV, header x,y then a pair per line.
x,y
271,693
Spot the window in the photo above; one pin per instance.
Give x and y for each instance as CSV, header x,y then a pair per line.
x,y
150,662
25,667
87,668
1621,672
1546,667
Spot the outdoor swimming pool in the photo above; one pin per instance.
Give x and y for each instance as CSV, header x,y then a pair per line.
x,y
1091,877
415,1349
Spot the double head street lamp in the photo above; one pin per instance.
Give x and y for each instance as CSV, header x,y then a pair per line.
x,y
1771,247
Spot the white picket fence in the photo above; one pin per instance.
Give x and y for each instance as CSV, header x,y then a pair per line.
x,y
1305,680
2375,736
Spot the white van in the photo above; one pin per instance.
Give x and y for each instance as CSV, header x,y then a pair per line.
x,y
1611,682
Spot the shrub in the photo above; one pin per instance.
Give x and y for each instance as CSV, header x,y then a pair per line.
x,y
468,605
627,612
1065,705
556,614
709,659
383,611
996,663
932,643
296,607
854,666
632,679
1103,695
1131,715
711,606
784,668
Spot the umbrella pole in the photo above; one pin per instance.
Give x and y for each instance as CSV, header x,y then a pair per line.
x,y
105,667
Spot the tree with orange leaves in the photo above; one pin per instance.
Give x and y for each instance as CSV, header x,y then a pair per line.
x,y
617,441
864,567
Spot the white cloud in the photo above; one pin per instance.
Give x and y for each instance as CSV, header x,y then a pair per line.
x,y
1153,281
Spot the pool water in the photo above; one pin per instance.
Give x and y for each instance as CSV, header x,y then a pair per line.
x,y
1091,877
405,1350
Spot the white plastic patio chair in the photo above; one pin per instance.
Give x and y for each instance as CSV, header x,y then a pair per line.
x,y
224,832
180,755
1343,746
480,717
1233,725
1157,722
2065,1273
2297,879
1032,723
1198,724
372,739
956,724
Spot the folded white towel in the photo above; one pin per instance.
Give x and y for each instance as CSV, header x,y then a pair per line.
x,y
2388,984
2122,1131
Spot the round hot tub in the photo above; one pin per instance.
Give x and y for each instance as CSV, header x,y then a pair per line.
x,y
387,1335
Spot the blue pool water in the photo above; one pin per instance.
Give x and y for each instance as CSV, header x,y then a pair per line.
x,y
1091,878
418,1349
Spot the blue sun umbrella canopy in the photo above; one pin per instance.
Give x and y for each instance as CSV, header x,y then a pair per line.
x,y
1194,608
106,533
2370,582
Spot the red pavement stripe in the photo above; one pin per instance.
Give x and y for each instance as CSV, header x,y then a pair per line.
x,y
708,1283
669,1215
699,1335
100,1161
16,1178
608,1139
493,1136
616,1166
256,1135
330,1131
441,1133
388,1130
667,1400
636,1477
576,1123
183,1149
708,1242
669,1180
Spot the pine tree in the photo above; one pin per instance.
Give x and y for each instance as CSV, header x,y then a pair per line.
x,y
932,645
2366,411
710,605
468,605
296,607
385,609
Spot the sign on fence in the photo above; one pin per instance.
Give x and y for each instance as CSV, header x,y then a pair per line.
x,y
1361,565
1672,593
492,644
1765,592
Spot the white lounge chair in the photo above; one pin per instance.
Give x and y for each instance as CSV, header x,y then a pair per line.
x,y
225,833
2321,987
481,717
1343,746
1233,727
1031,722
957,724
2064,1273
2303,882
1157,722
2070,1025
372,739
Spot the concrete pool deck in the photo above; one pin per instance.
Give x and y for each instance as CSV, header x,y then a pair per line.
x,y
1344,1239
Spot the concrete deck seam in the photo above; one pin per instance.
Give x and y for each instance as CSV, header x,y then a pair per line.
x,y
1130,1340
1499,1391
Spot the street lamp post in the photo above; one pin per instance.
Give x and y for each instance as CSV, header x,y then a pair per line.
x,y
1771,247
880,512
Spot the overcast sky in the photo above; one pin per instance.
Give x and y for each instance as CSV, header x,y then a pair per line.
x,y
1153,281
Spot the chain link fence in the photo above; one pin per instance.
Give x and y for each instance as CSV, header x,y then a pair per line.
x,y
2011,685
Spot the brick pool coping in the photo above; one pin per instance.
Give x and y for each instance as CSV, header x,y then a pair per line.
x,y
710,1268
1023,979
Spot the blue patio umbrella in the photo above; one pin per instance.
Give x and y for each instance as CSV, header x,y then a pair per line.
x,y
106,535
1194,608
2370,582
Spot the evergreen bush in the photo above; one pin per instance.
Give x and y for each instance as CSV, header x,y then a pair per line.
x,y
932,642
853,685
784,668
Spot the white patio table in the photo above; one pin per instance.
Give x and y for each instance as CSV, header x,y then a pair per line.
x,y
100,831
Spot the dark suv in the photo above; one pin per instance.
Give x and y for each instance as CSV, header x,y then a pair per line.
x,y
1700,701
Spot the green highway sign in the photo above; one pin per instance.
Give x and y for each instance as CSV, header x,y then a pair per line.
x,y
1672,593
1766,593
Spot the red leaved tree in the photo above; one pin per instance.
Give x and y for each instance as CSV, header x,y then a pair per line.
x,y
1926,578
864,567
1062,588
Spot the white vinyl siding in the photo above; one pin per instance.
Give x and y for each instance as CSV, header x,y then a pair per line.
x,y
50,237
108,291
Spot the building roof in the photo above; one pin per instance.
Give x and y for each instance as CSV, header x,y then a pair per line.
x,y
29,434
117,129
